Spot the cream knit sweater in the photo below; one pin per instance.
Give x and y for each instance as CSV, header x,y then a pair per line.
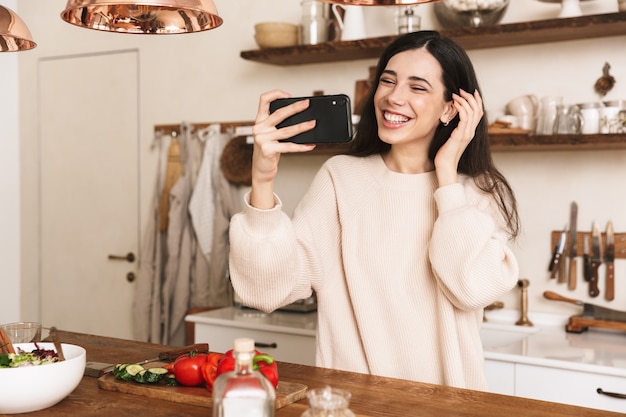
x,y
401,269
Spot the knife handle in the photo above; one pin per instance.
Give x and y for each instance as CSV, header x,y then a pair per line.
x,y
553,260
571,283
562,270
593,282
170,355
555,264
587,268
610,282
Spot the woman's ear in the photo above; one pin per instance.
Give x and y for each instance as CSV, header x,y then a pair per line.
x,y
448,114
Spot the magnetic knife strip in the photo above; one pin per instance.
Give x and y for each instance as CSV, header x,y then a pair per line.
x,y
620,242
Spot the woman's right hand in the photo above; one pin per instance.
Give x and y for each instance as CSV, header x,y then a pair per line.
x,y
268,148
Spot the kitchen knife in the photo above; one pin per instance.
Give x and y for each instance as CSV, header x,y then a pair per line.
x,y
97,369
609,257
590,311
586,259
559,248
596,261
573,248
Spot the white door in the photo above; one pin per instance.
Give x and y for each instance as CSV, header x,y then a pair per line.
x,y
89,181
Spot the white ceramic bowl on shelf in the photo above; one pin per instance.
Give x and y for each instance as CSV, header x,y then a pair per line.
x,y
33,388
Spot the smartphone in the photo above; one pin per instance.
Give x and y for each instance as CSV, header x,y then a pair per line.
x,y
333,114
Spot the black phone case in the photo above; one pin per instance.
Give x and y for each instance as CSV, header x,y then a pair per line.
x,y
333,114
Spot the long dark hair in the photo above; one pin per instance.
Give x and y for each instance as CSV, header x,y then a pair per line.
x,y
458,73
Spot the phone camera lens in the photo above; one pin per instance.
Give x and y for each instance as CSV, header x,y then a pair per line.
x,y
334,102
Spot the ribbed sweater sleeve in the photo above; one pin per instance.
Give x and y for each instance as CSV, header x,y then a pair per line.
x,y
468,251
264,256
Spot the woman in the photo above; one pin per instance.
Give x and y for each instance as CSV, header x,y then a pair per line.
x,y
405,240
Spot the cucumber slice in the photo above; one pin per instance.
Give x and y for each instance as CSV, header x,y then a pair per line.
x,y
129,372
171,381
153,375
141,376
117,370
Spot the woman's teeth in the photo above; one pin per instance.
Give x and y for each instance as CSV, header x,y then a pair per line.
x,y
395,118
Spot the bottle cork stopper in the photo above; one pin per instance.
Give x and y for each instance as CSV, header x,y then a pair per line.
x,y
244,345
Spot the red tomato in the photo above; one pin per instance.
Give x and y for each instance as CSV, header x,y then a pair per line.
x,y
209,370
188,369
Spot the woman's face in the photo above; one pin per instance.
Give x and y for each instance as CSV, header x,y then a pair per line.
x,y
409,101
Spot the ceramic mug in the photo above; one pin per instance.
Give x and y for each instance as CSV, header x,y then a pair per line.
x,y
590,114
525,109
352,24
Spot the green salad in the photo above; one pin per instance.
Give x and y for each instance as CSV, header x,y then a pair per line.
x,y
33,358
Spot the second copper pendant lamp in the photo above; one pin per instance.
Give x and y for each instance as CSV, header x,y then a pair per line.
x,y
143,16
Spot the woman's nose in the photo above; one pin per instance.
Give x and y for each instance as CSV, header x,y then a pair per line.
x,y
395,96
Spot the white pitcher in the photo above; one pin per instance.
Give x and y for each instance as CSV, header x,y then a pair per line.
x,y
353,23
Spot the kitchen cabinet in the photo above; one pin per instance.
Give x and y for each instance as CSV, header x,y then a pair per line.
x,y
493,36
554,384
287,336
569,387
500,377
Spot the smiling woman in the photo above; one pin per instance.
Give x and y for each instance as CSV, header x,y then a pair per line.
x,y
404,240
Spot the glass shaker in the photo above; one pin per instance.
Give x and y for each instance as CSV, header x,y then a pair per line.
x,y
328,402
568,120
406,20
315,23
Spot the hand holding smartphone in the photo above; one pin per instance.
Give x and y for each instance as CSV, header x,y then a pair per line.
x,y
333,114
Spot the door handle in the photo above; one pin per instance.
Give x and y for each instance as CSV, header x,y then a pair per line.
x,y
129,257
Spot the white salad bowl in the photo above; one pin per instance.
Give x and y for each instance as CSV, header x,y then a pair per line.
x,y
32,388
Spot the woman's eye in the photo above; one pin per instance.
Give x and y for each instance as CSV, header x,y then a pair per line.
x,y
418,88
386,81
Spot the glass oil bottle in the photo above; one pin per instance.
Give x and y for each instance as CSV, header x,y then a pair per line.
x,y
243,392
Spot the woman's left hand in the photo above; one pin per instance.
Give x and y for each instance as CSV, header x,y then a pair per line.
x,y
470,110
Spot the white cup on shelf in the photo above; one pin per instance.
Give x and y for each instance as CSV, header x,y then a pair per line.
x,y
590,113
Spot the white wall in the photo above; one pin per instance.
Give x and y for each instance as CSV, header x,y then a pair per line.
x,y
201,78
9,185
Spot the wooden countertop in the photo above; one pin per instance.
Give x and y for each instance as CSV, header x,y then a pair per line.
x,y
372,396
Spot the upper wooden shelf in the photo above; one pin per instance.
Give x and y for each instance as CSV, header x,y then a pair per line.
x,y
493,36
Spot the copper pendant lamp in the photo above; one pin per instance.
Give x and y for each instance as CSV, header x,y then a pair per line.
x,y
378,2
143,16
14,35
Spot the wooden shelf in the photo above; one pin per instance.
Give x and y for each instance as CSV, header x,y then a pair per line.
x,y
501,142
522,142
493,36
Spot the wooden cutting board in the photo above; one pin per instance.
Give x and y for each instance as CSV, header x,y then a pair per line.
x,y
579,324
286,392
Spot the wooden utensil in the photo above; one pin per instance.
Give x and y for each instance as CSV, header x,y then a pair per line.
x,y
6,346
54,335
